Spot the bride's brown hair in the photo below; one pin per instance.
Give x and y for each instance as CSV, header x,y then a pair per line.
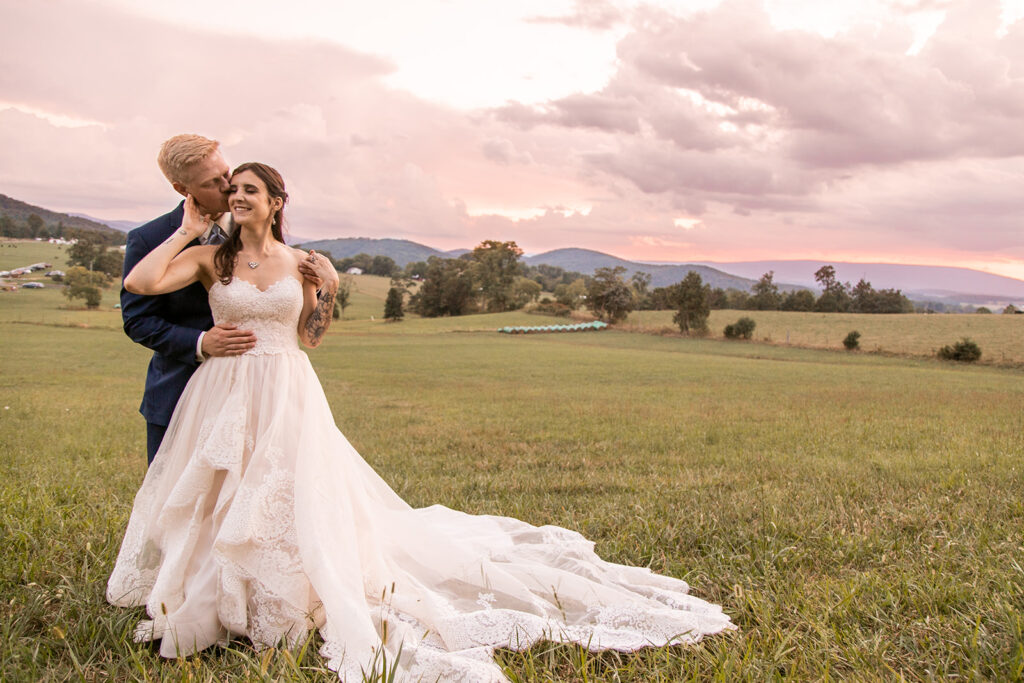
x,y
226,257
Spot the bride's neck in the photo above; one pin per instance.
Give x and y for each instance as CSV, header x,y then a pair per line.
x,y
258,239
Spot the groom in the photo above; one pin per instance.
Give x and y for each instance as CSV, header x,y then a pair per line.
x,y
178,326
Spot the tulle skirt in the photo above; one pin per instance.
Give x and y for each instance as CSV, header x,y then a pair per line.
x,y
259,519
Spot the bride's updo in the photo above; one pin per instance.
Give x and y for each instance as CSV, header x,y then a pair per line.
x,y
226,257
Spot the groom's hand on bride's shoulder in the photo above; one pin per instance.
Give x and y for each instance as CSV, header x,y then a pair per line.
x,y
227,340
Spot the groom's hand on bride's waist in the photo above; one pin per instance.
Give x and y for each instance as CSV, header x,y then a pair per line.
x,y
227,340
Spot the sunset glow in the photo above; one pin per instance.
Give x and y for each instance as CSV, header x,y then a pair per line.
x,y
655,131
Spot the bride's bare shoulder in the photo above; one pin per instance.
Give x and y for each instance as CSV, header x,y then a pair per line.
x,y
297,254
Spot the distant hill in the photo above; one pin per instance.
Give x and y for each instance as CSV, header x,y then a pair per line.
x,y
586,261
121,226
402,252
933,283
19,211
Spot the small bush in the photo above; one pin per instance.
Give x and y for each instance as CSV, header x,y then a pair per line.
x,y
741,329
553,308
964,350
984,310
852,341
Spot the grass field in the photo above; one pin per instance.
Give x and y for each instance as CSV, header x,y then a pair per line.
x,y
1001,337
859,516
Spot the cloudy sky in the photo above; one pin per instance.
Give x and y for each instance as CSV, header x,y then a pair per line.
x,y
688,130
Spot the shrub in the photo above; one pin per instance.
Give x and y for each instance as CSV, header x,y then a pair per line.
x,y
741,329
984,309
964,350
552,308
852,341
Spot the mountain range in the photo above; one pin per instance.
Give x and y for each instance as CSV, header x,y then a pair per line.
x,y
934,283
582,261
930,283
20,211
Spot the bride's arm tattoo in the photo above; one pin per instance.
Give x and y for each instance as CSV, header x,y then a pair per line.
x,y
320,318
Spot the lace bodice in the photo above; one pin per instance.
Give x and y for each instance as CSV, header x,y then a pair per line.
x,y
271,314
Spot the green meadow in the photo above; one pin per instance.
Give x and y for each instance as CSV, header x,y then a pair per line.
x,y
859,515
1001,337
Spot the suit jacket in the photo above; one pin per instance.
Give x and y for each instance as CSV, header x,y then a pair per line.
x,y
169,324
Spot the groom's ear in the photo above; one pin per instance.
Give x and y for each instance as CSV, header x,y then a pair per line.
x,y
179,188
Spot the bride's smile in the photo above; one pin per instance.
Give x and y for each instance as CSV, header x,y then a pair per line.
x,y
249,200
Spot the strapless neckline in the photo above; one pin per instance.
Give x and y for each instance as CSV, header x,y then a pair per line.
x,y
254,285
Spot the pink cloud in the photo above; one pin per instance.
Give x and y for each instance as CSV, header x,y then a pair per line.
x,y
778,142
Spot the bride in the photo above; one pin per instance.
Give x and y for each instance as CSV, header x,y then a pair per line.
x,y
259,519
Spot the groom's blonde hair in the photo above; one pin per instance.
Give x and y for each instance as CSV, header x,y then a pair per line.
x,y
179,154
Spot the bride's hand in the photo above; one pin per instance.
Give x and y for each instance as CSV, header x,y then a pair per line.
x,y
194,223
319,270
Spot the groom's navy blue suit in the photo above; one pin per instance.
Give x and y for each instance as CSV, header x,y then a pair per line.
x,y
169,324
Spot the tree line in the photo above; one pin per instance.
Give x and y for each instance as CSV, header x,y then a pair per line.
x,y
835,297
94,266
491,278
35,227
611,298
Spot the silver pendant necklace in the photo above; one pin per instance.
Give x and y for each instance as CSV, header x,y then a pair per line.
x,y
253,264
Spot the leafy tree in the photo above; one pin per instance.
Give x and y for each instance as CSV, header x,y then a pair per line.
x,y
447,288
641,282
363,262
384,266
718,299
852,341
1010,309
826,278
35,225
984,310
549,277
660,299
765,294
415,270
82,283
393,305
526,290
572,294
690,299
608,296
343,297
736,299
496,265
892,301
798,300
834,296
863,298
92,254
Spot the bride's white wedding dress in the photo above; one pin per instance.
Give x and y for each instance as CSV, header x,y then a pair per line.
x,y
259,519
